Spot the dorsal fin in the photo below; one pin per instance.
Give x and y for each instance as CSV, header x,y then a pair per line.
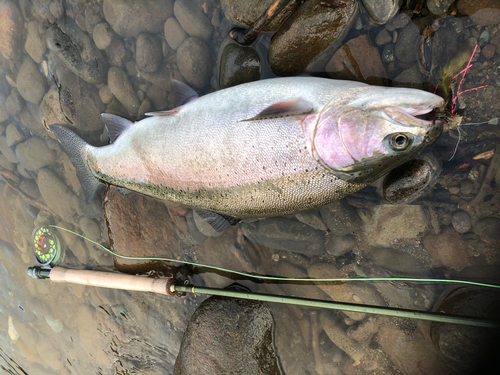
x,y
290,107
116,125
183,93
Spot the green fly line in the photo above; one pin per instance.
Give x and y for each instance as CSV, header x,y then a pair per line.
x,y
276,278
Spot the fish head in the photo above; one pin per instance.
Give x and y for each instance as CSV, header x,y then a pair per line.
x,y
364,133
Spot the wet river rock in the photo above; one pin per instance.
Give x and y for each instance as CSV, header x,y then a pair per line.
x,y
406,45
463,346
132,222
482,12
228,335
358,60
238,65
148,53
246,12
34,154
193,20
438,7
381,11
31,84
193,60
308,38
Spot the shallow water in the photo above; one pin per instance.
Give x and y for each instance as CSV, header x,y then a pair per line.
x,y
66,62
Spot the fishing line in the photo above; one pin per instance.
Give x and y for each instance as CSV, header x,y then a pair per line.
x,y
275,278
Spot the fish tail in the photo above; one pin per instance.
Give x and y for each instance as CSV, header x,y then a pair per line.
x,y
77,149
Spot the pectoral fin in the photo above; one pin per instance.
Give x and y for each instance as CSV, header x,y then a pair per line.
x,y
211,223
291,107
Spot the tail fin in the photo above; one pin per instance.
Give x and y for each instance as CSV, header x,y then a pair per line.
x,y
76,148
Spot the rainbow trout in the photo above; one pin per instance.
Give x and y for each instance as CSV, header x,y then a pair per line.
x,y
260,149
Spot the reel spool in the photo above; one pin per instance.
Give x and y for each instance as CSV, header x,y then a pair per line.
x,y
47,246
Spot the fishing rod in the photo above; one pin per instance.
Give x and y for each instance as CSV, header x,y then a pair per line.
x,y
48,254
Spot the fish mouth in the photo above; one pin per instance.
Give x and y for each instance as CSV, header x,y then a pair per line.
x,y
422,117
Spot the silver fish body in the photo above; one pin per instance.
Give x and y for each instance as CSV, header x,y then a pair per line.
x,y
265,148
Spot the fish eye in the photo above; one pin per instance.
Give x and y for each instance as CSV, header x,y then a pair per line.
x,y
399,141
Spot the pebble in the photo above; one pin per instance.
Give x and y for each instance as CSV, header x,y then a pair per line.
x,y
30,188
338,291
31,84
488,51
238,65
193,20
93,17
11,30
383,37
488,227
34,154
388,53
4,115
461,221
90,229
340,218
447,249
131,18
391,223
285,234
35,45
102,35
484,37
14,103
148,53
401,20
105,94
381,11
7,165
466,187
174,33
7,151
56,194
406,46
339,245
193,60
13,136
438,7
123,90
